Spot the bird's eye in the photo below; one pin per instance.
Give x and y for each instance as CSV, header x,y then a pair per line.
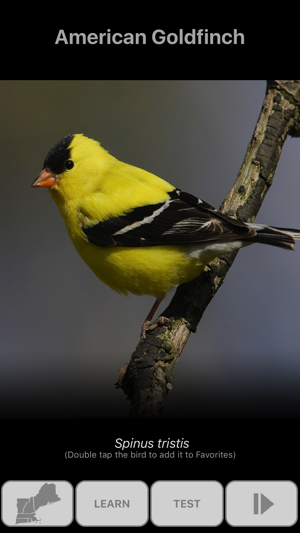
x,y
69,164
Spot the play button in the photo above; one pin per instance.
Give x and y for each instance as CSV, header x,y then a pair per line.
x,y
265,503
261,503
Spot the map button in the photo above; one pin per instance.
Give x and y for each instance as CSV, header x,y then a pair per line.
x,y
112,503
31,503
186,503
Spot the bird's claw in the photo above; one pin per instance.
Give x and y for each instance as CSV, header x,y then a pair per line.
x,y
147,326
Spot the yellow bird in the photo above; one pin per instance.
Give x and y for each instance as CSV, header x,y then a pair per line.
x,y
138,233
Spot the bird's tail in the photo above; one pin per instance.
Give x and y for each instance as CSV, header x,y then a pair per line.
x,y
281,237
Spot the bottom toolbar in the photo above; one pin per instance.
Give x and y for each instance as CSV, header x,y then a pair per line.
x,y
165,503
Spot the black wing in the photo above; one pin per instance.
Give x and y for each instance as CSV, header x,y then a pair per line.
x,y
183,219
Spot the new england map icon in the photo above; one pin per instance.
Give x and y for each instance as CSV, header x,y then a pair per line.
x,y
28,507
37,503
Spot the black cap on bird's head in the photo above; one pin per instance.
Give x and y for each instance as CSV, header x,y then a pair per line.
x,y
55,163
58,155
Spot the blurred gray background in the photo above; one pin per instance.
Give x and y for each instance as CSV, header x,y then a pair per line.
x,y
64,334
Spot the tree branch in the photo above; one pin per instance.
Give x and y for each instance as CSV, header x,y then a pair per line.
x,y
148,376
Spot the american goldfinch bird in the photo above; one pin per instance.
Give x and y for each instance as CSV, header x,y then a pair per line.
x,y
138,233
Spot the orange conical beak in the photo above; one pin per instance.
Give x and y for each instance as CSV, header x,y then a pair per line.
x,y
45,179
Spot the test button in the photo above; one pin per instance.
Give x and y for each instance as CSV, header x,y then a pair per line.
x,y
186,503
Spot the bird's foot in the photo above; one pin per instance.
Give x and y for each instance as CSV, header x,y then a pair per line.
x,y
147,326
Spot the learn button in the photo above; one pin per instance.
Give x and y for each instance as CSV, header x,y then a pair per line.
x,y
112,503
186,503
